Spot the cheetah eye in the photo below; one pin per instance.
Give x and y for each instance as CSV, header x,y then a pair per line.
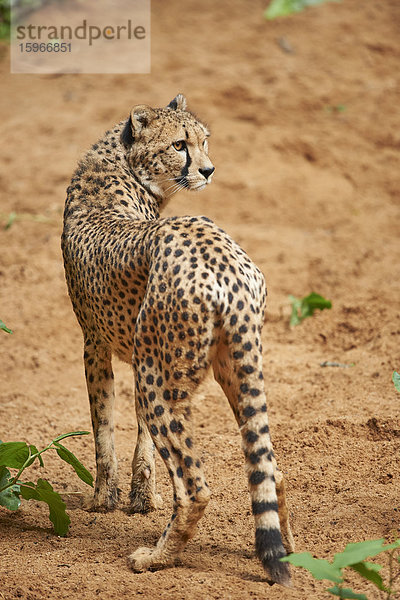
x,y
179,146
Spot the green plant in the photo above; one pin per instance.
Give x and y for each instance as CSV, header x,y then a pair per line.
x,y
396,380
353,557
20,9
283,8
20,456
12,217
4,19
336,108
305,307
3,327
10,220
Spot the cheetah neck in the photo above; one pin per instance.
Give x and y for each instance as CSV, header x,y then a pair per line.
x,y
106,182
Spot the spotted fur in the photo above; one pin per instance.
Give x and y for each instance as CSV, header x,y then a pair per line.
x,y
173,297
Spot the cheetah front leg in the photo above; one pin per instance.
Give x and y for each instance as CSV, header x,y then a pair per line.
x,y
100,385
143,495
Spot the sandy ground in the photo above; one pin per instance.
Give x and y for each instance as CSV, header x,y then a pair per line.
x,y
306,146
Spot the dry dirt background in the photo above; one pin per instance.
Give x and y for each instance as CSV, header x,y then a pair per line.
x,y
311,191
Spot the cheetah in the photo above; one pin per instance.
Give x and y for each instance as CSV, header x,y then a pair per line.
x,y
172,297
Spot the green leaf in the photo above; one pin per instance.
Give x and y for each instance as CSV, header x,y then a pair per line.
x,y
296,307
13,454
305,307
346,593
369,574
282,8
279,8
396,380
11,218
8,497
313,302
372,566
45,493
71,459
71,434
319,568
355,553
3,327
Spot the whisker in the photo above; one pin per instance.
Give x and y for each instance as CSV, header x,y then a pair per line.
x,y
178,186
173,189
175,185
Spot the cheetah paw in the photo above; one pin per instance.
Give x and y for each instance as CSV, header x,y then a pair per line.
x,y
141,503
142,560
105,502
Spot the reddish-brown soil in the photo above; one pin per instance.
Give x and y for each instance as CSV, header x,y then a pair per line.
x,y
306,146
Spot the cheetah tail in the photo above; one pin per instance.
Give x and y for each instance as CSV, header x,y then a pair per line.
x,y
260,468
238,369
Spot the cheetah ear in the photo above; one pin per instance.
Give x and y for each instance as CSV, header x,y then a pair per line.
x,y
178,103
141,116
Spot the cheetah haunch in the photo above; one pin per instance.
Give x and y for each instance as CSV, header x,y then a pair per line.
x,y
172,297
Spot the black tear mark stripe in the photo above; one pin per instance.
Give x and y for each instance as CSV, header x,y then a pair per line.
x,y
185,169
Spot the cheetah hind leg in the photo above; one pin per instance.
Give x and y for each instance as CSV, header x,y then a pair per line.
x,y
143,495
283,511
172,434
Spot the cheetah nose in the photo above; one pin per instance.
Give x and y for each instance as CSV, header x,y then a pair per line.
x,y
207,172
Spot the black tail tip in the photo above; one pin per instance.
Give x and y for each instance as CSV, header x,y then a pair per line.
x,y
277,572
269,549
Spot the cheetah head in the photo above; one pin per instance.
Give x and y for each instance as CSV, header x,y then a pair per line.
x,y
167,148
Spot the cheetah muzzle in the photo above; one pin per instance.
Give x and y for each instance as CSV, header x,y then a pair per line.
x,y
171,296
